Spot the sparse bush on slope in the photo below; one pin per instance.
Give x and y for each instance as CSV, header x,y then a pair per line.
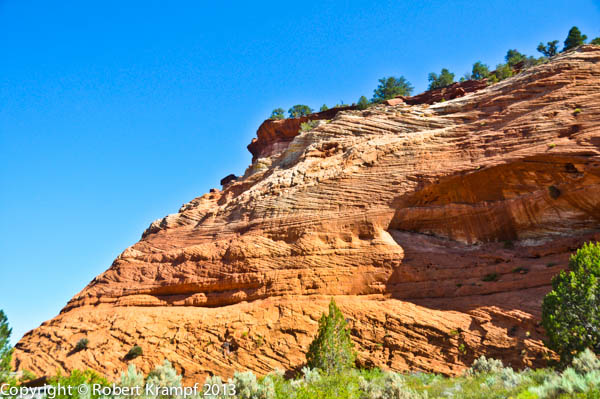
x,y
571,311
332,349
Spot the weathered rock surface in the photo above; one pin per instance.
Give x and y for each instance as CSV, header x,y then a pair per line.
x,y
455,90
399,212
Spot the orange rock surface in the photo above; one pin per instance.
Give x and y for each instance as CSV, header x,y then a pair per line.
x,y
437,228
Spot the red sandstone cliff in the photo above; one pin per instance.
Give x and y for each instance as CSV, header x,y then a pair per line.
x,y
399,212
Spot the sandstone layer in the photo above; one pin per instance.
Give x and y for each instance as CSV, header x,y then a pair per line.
x,y
437,228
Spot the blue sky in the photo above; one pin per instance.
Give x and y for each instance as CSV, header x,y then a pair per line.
x,y
113,113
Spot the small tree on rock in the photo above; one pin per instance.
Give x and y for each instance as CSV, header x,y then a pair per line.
x,y
549,49
363,103
574,39
324,107
391,87
513,57
571,311
5,349
299,110
332,350
278,113
596,41
480,71
445,78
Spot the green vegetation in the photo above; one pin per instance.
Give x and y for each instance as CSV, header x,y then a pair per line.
x,y
5,349
331,373
445,78
520,270
479,71
574,39
332,350
490,277
550,49
571,311
81,344
134,352
577,111
486,379
299,110
278,113
324,107
75,379
309,125
391,87
363,103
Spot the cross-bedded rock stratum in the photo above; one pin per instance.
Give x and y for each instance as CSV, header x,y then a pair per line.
x,y
436,228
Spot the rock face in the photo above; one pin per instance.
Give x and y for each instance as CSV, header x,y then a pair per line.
x,y
437,228
453,91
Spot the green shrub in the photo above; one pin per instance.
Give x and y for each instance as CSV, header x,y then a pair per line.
x,y
596,41
248,387
490,277
324,107
391,87
343,385
503,71
568,382
134,352
132,378
163,376
484,365
387,385
308,126
549,49
363,103
445,78
586,362
81,344
479,71
571,311
577,111
74,379
278,113
5,349
332,350
26,375
574,39
299,110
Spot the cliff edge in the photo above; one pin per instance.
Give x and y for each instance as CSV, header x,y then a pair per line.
x,y
437,228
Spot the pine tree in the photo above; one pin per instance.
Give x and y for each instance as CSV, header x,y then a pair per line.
x,y
299,110
513,57
446,78
574,39
363,103
332,350
324,107
480,71
278,113
549,49
5,348
391,87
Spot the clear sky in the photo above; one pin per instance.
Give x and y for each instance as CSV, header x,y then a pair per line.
x,y
114,113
